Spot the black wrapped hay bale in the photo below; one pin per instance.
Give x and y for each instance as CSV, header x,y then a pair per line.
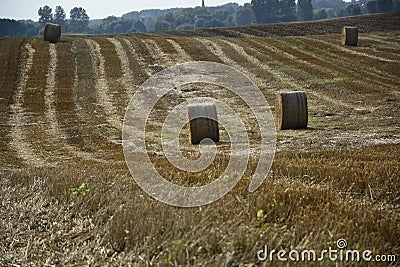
x,y
52,32
291,110
203,122
350,36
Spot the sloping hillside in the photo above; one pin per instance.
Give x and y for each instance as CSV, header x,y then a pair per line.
x,y
66,194
365,23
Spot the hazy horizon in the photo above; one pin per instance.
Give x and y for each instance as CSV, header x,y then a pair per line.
x,y
20,9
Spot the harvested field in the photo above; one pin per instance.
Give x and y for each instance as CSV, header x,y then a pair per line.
x,y
67,197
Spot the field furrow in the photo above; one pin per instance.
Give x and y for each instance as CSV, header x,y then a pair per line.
x,y
104,98
382,69
53,130
383,38
285,80
114,73
59,106
196,50
9,58
146,60
377,75
182,55
370,47
321,73
382,48
144,70
215,49
353,52
10,55
322,57
127,74
91,130
162,60
19,141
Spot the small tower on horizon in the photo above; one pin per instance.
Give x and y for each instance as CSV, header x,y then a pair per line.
x,y
202,3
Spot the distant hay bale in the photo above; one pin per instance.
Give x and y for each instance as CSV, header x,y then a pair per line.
x,y
52,33
350,36
291,110
203,122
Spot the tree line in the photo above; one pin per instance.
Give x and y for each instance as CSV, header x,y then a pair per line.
x,y
269,11
257,11
77,23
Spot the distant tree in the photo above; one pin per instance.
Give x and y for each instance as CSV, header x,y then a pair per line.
x,y
79,20
325,4
200,23
199,11
221,15
340,13
322,14
45,15
108,25
59,16
185,27
264,11
353,10
149,22
330,13
186,14
229,21
10,27
371,6
123,26
304,10
109,19
384,6
161,25
396,6
288,10
214,23
182,19
139,26
170,18
243,16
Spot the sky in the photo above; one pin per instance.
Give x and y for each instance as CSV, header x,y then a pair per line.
x,y
27,9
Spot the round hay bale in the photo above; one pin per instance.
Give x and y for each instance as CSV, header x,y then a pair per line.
x,y
52,32
291,110
203,122
350,36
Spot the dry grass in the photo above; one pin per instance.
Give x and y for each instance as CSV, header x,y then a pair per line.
x,y
333,180
305,206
